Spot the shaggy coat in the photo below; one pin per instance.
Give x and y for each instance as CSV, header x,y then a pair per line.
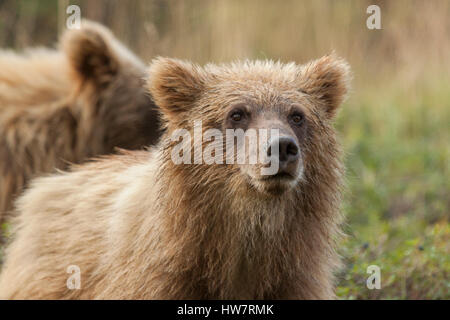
x,y
140,226
61,107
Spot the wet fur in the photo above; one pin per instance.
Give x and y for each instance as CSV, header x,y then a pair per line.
x,y
141,227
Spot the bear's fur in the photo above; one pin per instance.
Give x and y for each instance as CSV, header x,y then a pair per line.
x,y
64,106
140,226
35,77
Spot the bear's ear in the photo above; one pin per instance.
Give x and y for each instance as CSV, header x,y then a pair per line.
x,y
326,79
95,55
175,85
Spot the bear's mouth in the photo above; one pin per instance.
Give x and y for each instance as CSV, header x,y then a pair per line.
x,y
273,185
276,184
281,176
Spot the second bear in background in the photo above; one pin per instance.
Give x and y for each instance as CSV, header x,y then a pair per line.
x,y
64,107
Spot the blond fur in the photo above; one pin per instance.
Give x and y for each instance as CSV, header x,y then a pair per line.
x,y
34,77
141,227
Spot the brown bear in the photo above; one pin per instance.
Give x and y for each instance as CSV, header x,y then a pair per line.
x,y
143,226
62,107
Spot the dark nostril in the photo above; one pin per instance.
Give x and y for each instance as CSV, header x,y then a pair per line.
x,y
288,149
292,149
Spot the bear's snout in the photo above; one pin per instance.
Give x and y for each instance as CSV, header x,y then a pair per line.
x,y
288,151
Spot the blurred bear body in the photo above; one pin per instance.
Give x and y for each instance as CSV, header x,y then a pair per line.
x,y
140,226
62,107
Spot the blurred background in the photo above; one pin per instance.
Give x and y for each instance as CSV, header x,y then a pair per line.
x,y
395,126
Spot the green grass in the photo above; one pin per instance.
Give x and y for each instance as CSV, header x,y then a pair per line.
x,y
398,197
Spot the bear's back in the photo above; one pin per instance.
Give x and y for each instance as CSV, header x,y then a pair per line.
x,y
69,219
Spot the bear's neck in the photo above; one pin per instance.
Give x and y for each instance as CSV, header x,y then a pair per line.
x,y
233,238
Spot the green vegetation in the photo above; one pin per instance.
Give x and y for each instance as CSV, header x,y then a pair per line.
x,y
397,204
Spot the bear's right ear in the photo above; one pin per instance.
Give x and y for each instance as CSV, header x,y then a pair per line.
x,y
175,85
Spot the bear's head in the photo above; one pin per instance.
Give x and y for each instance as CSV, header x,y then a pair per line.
x,y
109,81
289,108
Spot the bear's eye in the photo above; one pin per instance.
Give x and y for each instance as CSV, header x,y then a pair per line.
x,y
297,118
237,116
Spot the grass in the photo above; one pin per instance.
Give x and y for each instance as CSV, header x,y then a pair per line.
x,y
397,204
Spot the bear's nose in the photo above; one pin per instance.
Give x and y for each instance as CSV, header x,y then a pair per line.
x,y
288,150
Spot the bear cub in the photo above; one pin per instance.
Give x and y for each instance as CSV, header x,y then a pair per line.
x,y
142,226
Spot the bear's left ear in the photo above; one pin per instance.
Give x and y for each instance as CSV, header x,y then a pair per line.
x,y
175,85
328,80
